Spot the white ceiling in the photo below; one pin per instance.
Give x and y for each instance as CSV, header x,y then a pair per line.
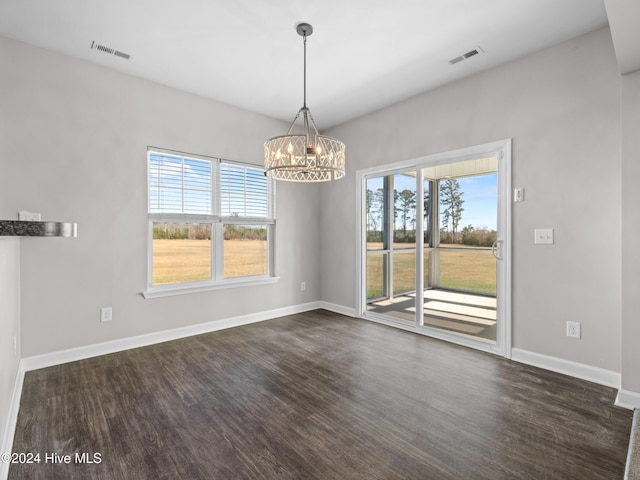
x,y
363,54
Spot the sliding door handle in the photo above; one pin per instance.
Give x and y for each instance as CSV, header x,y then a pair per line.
x,y
496,249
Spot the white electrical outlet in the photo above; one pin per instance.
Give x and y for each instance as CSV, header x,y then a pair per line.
x,y
573,329
106,314
303,286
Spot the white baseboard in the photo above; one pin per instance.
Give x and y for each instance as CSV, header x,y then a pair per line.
x,y
335,308
88,351
12,418
598,375
628,399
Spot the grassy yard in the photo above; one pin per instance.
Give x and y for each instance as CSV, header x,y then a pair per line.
x,y
473,271
177,261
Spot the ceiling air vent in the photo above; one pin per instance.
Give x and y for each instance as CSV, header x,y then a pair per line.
x,y
464,56
111,51
471,53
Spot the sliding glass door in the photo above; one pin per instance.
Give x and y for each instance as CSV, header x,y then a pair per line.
x,y
434,256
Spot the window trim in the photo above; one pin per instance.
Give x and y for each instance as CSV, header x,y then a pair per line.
x,y
217,222
197,287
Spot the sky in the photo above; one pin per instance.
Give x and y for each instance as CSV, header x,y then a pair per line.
x,y
179,185
479,195
480,201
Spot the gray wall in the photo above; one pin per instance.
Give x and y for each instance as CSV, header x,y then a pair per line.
x,y
630,100
9,329
74,139
73,147
561,108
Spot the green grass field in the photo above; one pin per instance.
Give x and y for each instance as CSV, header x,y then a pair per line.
x,y
472,270
179,261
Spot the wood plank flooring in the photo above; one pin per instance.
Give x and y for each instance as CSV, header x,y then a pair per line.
x,y
316,396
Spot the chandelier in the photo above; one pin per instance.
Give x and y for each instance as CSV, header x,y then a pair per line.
x,y
309,156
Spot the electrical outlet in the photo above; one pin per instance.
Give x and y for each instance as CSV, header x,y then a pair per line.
x,y
573,329
106,314
303,286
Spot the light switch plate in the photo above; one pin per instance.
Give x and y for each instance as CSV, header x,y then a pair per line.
x,y
518,194
543,236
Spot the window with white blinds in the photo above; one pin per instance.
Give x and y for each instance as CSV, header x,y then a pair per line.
x,y
244,192
211,222
180,184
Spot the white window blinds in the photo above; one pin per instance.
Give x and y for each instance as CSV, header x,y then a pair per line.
x,y
180,184
202,186
244,192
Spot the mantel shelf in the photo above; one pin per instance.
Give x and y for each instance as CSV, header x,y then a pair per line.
x,y
22,228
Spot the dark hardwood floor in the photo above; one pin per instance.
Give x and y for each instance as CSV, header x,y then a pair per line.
x,y
316,396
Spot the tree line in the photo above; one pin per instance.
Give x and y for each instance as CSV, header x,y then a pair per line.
x,y
202,231
404,221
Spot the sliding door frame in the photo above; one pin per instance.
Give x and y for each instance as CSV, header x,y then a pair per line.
x,y
502,151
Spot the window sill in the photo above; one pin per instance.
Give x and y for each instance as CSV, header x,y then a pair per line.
x,y
170,290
